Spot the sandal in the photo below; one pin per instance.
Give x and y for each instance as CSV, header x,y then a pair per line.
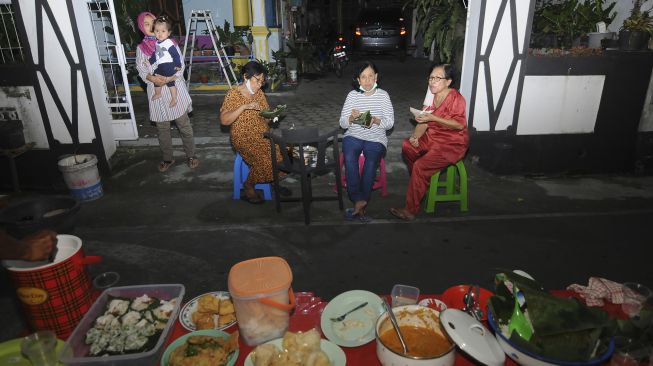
x,y
165,165
192,162
401,213
349,216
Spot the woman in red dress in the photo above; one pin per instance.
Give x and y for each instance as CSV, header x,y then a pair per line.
x,y
439,140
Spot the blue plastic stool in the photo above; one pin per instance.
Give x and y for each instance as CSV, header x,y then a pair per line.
x,y
241,171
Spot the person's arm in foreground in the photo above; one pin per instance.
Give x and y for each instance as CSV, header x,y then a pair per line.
x,y
34,247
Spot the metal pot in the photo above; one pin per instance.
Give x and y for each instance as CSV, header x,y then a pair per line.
x,y
31,215
418,316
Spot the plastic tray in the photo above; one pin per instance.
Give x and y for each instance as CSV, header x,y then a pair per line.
x,y
75,350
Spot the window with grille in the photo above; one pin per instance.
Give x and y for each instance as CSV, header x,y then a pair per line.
x,y
11,50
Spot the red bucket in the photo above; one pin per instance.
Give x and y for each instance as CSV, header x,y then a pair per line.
x,y
55,296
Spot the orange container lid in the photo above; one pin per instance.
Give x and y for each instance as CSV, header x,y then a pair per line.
x,y
259,276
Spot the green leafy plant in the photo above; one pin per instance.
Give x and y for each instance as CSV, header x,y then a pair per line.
x,y
443,23
639,20
228,37
569,20
304,55
126,13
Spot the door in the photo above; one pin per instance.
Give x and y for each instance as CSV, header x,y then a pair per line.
x,y
117,69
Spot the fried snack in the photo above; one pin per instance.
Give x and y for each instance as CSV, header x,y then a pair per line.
x,y
208,304
203,320
226,319
204,351
226,307
299,349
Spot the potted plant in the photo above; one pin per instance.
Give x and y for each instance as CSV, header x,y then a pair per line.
x,y
442,22
637,29
230,39
593,12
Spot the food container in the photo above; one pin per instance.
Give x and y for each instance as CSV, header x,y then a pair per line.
x,y
75,351
55,296
527,358
262,296
454,326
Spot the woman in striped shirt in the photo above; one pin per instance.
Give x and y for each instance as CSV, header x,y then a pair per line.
x,y
160,110
371,141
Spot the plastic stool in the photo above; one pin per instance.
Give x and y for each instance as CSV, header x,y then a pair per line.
x,y
241,171
449,185
379,182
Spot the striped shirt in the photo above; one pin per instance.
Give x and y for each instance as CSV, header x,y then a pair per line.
x,y
160,110
379,106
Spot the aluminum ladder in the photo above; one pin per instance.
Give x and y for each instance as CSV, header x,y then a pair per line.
x,y
197,16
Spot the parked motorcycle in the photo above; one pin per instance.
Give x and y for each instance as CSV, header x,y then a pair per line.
x,y
339,55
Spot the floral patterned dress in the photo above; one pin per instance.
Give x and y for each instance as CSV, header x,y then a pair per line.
x,y
247,135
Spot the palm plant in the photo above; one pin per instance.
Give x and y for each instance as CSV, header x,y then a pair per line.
x,y
443,24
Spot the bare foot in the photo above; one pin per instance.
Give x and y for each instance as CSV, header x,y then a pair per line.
x,y
173,103
156,96
359,207
402,213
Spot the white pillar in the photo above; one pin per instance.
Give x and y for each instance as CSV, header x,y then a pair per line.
x,y
260,31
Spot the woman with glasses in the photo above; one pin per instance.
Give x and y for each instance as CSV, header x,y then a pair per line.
x,y
240,110
439,140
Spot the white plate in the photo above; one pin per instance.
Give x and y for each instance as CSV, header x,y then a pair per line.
x,y
358,328
336,354
186,314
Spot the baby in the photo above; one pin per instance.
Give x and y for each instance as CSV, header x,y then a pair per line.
x,y
166,60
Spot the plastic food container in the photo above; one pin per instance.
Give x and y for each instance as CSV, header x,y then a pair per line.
x,y
262,296
75,351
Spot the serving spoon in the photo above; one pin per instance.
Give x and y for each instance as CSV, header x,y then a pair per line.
x,y
518,321
395,325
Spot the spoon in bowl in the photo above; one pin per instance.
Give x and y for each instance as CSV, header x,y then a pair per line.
x,y
395,325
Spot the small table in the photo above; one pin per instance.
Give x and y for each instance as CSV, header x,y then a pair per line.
x,y
12,154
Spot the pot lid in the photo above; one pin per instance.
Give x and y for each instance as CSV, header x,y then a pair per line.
x,y
472,337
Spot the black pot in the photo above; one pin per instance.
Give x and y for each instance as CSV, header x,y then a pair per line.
x,y
632,40
11,134
31,215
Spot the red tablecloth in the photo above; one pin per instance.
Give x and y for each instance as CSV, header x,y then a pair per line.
x,y
356,356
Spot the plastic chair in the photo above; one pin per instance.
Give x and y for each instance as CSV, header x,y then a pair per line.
x,y
296,140
379,182
241,171
450,194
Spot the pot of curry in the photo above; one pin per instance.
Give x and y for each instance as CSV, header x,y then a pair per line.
x,y
425,339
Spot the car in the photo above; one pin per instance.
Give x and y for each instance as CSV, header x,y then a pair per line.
x,y
380,30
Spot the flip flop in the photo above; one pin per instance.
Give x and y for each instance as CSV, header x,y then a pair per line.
x,y
349,216
401,215
255,201
165,165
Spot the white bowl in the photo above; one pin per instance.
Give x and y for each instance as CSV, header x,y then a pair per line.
x,y
527,358
410,315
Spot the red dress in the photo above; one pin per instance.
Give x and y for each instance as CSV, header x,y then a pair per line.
x,y
438,148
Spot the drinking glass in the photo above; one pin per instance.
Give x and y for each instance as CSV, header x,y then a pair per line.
x,y
635,296
40,347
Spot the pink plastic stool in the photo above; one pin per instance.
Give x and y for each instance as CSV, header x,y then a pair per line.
x,y
379,182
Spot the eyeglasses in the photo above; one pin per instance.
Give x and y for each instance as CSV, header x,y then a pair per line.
x,y
435,79
259,79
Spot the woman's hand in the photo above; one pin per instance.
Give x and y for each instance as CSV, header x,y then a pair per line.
x,y
158,80
376,120
414,141
252,105
354,114
424,117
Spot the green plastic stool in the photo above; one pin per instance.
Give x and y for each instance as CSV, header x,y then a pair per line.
x,y
449,185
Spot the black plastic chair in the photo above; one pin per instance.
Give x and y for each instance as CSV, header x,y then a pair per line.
x,y
297,140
